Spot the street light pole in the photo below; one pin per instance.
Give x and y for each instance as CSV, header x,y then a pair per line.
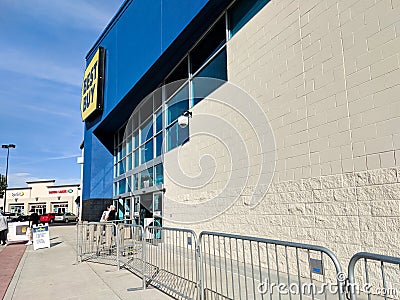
x,y
8,154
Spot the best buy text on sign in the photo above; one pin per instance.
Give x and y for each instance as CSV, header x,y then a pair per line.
x,y
91,89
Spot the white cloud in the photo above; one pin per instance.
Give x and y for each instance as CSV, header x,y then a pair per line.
x,y
26,62
63,157
18,180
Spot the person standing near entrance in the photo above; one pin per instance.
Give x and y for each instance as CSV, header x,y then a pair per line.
x,y
111,214
33,220
3,230
104,215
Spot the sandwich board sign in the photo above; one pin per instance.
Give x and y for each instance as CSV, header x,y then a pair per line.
x,y
41,237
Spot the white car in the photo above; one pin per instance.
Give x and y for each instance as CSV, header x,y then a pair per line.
x,y
66,217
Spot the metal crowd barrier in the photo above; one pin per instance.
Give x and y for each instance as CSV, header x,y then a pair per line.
x,y
377,277
131,247
123,221
244,267
98,242
227,266
171,261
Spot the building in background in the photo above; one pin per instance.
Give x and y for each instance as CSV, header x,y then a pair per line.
x,y
326,76
43,196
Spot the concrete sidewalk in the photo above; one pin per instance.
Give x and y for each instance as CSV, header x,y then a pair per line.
x,y
53,273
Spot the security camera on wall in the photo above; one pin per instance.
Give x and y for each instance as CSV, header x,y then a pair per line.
x,y
183,119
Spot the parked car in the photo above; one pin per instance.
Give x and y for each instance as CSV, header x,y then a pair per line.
x,y
66,217
14,217
10,216
47,218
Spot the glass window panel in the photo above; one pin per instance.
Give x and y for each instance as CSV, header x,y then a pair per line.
x,y
179,75
122,186
146,178
157,203
129,163
216,68
157,99
136,139
121,133
146,130
214,39
178,104
135,121
159,144
123,153
135,158
159,175
129,145
115,189
135,182
119,152
146,108
128,128
180,72
242,11
176,136
147,152
121,167
159,121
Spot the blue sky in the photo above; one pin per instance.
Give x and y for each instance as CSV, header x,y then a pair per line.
x,y
43,46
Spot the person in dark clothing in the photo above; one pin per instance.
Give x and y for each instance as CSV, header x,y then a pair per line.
x,y
111,215
33,220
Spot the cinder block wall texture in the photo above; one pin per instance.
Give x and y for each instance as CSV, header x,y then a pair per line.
x,y
326,73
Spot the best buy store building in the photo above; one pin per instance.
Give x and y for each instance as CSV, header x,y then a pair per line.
x,y
309,89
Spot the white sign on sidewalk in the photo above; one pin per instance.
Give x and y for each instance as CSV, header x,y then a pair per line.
x,y
17,231
41,237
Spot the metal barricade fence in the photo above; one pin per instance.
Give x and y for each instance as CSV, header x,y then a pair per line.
x,y
97,242
122,221
172,261
131,249
227,266
377,277
243,267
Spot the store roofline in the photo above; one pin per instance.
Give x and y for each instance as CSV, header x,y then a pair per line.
x,y
62,185
40,181
20,188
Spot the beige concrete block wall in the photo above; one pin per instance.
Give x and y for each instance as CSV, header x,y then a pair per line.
x,y
326,73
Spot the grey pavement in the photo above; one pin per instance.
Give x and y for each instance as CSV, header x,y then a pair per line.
x,y
53,273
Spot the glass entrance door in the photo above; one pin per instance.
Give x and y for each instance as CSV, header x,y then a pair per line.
x,y
120,209
146,208
127,208
157,213
136,209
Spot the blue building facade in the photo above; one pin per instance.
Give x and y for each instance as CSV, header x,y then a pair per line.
x,y
149,44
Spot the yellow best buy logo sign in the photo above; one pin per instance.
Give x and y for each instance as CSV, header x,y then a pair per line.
x,y
93,85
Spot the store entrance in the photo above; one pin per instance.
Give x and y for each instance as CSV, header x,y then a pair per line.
x,y
148,209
